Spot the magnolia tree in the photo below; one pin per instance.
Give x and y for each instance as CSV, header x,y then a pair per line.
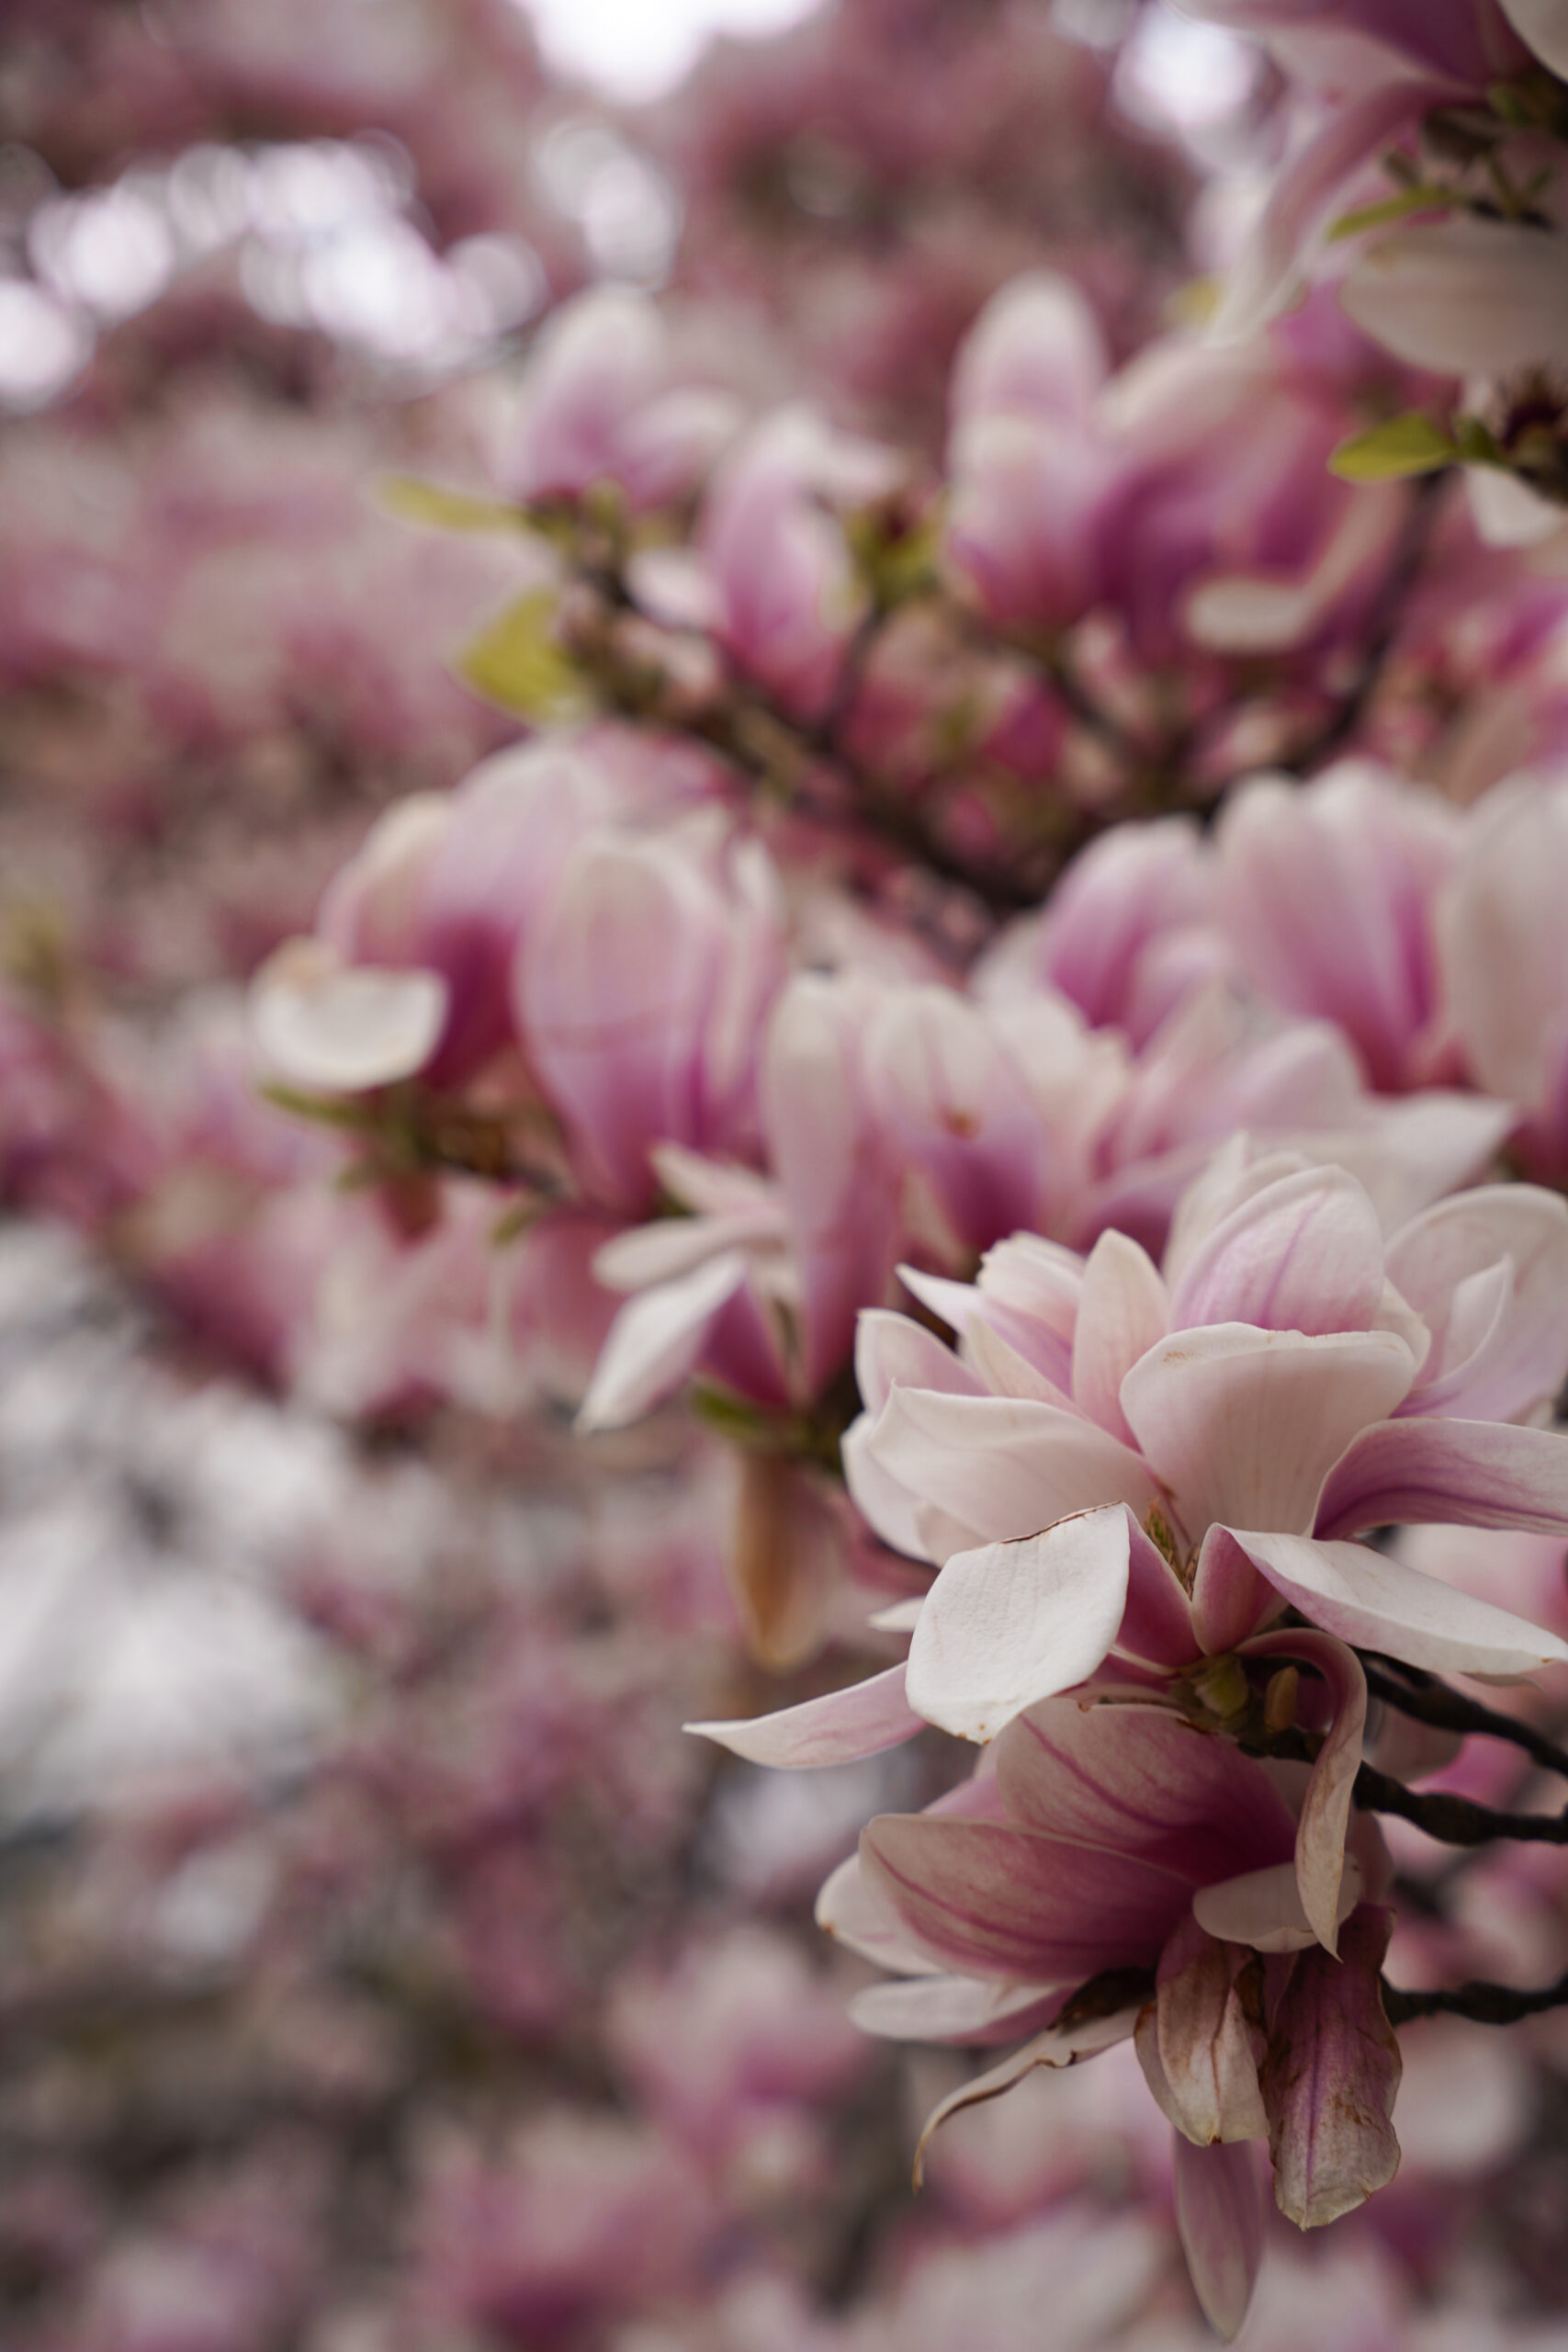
x,y
997,1002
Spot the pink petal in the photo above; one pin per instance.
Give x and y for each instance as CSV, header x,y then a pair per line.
x,y
838,1728
1004,1466
1199,2046
990,1900
1229,1597
1004,1370
974,2010
672,1246
1264,1908
1244,1425
890,1348
1142,1782
1464,1474
655,1340
1123,1312
1330,2078
1157,1624
859,1916
1219,2217
1524,1357
1057,2046
1325,1810
1376,1602
886,1506
1016,1622
1304,1254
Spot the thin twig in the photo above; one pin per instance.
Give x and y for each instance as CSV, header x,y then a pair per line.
x,y
1484,2003
1427,1700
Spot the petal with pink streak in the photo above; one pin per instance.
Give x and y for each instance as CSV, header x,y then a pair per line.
x,y
1325,1810
1463,1473
1230,1599
858,1915
1376,1602
1244,1425
1141,1781
655,1340
1330,2078
1157,1624
1304,1254
1059,2045
1006,1466
973,2009
994,1900
1123,1312
1219,2218
1013,1623
1522,1356
862,1719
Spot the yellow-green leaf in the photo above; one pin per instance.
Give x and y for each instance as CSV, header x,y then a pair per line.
x,y
448,510
1411,444
517,663
1421,196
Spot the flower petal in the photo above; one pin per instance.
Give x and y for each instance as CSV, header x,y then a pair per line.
x,y
1304,1254
1264,1908
954,2009
1325,1810
1013,1623
1463,1473
991,1900
1376,1602
339,1027
891,1350
1141,1781
654,1341
1219,2217
862,1719
1244,1425
1122,1311
1230,1597
1330,2077
1057,2046
1524,1356
1005,1466
860,1917
1200,2039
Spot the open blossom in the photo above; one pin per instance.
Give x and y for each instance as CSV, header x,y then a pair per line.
x,y
1114,1876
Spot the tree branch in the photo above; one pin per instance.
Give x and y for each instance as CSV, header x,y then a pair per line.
x,y
1483,2003
1427,1700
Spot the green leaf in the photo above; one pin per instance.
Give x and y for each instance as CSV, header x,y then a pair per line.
x,y
1422,196
448,510
517,663
1410,444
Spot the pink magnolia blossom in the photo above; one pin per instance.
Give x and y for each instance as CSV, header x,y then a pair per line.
x,y
602,402
1121,1848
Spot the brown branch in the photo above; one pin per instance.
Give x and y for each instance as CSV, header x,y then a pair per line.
x,y
1483,2003
1451,1820
1427,1700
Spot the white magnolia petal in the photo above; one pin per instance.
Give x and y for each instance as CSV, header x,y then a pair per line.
x,y
1013,1623
340,1028
1374,1602
1543,24
840,1728
654,1341
672,1246
950,2008
857,1915
1005,1466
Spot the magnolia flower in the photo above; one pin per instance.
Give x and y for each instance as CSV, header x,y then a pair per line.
x,y
1116,1875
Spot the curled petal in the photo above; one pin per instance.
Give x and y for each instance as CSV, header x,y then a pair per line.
x,y
841,1727
1057,2046
340,1028
1219,2217
1202,2038
1515,1232
1330,2078
1325,1810
1304,1254
1013,1623
1229,1597
1377,1602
